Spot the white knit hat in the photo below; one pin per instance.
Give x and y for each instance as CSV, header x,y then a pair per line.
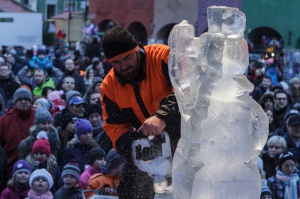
x,y
41,173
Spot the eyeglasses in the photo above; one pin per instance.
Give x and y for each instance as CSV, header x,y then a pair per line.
x,y
283,99
3,69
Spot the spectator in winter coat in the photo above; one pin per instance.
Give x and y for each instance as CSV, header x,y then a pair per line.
x,y
66,131
266,193
43,122
285,184
3,168
41,61
40,183
276,145
94,115
280,107
78,148
79,81
72,188
15,66
292,137
15,124
18,185
259,91
96,164
7,82
108,182
41,157
40,79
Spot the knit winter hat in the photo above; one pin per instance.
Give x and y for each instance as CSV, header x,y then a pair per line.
x,y
71,169
118,43
66,118
283,157
114,160
265,190
41,173
71,94
95,154
21,165
83,126
45,103
41,145
42,115
94,108
22,93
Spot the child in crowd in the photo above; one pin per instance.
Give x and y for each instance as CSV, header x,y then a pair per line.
x,y
108,183
96,164
265,192
40,182
41,60
18,185
41,157
72,187
78,148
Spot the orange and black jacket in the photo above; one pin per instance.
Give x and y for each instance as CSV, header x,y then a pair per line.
x,y
127,103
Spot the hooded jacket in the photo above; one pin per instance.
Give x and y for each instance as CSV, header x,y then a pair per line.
x,y
13,191
25,146
14,127
77,152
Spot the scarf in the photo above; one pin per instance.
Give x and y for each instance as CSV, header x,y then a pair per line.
x,y
290,182
33,195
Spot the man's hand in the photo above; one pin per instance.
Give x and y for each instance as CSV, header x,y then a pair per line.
x,y
152,126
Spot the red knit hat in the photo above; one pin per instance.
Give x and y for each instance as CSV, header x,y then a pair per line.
x,y
41,145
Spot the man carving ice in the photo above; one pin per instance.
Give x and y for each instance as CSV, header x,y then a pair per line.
x,y
222,127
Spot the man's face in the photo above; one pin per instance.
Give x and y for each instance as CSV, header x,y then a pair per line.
x,y
68,84
266,83
294,130
69,65
95,98
10,59
23,104
4,72
78,109
39,77
95,119
280,100
127,67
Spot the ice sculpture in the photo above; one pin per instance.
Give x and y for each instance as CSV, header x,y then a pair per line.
x,y
222,128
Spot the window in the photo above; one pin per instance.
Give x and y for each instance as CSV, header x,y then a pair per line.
x,y
70,6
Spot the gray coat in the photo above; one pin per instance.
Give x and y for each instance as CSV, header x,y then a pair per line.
x,y
25,146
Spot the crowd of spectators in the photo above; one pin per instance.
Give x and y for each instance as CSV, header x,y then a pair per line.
x,y
279,160
52,144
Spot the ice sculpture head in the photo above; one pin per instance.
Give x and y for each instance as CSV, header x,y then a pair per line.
x,y
225,20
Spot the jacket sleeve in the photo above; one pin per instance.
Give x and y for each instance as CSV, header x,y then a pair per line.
x,y
22,74
56,75
82,86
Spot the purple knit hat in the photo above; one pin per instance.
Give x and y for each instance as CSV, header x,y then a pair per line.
x,y
83,126
21,165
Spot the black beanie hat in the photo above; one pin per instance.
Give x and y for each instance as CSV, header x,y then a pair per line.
x,y
66,118
116,41
95,154
94,108
283,157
